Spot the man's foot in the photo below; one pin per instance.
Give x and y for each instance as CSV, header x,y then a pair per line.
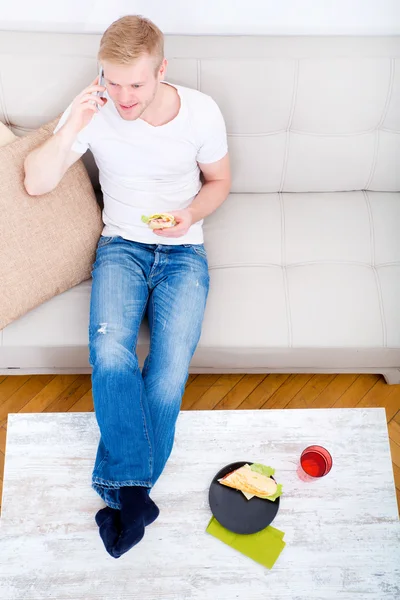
x,y
109,523
137,511
122,529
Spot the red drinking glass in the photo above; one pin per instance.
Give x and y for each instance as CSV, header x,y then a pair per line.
x,y
316,461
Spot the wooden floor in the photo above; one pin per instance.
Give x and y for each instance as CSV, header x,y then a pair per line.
x,y
62,393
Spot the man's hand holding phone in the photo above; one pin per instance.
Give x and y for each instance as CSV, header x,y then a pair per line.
x,y
85,105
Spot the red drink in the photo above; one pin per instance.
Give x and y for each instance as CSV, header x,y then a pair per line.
x,y
316,461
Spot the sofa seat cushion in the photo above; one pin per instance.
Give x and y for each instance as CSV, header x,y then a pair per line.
x,y
305,270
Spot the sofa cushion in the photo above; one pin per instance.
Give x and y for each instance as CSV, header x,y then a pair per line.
x,y
304,270
48,242
6,135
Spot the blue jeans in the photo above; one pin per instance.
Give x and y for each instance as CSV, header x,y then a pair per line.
x,y
137,411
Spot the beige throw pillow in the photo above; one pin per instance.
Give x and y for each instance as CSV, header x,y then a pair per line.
x,y
47,243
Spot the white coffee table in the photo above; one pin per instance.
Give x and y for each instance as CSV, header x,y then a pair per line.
x,y
342,532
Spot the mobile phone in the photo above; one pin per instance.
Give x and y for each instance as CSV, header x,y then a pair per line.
x,y
100,82
100,79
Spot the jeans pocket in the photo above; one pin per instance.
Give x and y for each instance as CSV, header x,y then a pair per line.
x,y
104,240
199,250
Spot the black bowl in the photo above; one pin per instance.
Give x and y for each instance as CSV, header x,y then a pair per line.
x,y
232,509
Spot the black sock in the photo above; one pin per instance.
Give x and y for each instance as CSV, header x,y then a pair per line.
x,y
137,510
121,529
109,522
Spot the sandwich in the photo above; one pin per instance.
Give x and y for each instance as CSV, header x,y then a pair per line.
x,y
159,220
253,480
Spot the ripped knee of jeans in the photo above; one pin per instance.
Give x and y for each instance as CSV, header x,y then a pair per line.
x,y
103,328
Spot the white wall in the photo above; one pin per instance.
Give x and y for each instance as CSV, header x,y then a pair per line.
x,y
279,17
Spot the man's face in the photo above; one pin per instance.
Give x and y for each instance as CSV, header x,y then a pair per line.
x,y
132,88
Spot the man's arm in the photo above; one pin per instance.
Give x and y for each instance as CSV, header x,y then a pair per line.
x,y
215,190
46,166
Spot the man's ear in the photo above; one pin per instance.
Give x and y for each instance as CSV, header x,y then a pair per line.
x,y
162,69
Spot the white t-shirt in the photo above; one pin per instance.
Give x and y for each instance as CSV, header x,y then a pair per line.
x,y
145,169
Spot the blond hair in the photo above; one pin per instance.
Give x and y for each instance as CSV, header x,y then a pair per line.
x,y
130,37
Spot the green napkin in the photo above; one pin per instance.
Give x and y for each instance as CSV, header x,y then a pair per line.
x,y
264,547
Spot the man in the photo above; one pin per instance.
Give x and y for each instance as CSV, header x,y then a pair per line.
x,y
152,142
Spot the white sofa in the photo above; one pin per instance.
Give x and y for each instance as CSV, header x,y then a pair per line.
x,y
305,253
